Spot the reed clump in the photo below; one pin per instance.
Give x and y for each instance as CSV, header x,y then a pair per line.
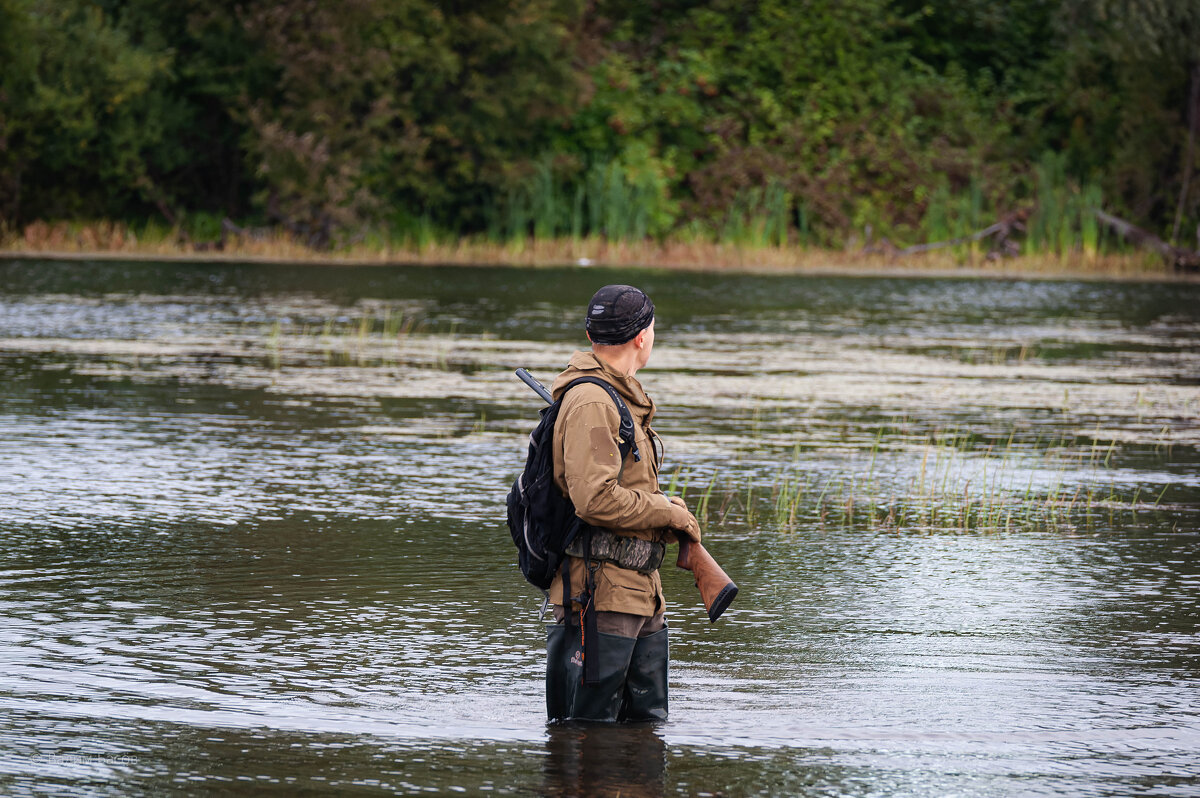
x,y
950,480
372,337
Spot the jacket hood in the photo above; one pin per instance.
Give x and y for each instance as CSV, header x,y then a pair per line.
x,y
587,364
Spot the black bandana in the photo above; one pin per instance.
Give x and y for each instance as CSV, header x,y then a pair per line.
x,y
617,313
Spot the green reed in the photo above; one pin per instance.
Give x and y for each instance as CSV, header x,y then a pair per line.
x,y
375,336
702,504
413,231
949,216
937,222
1063,218
545,198
803,225
615,200
607,201
518,216
758,217
273,343
958,480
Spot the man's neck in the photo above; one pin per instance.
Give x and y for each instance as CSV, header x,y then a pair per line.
x,y
621,359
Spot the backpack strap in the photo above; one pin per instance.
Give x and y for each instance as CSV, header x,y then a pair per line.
x,y
626,432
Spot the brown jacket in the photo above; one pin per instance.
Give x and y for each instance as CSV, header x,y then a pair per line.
x,y
622,497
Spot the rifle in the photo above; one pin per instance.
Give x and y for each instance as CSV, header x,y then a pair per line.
x,y
717,590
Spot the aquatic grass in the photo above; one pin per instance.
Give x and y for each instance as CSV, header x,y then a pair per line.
x,y
1062,223
562,211
518,217
395,325
788,496
480,424
617,200
958,481
701,509
273,344
376,335
679,482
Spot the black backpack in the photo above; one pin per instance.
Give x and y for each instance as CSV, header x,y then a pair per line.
x,y
541,520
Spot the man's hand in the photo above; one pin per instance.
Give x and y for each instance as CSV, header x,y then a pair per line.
x,y
682,521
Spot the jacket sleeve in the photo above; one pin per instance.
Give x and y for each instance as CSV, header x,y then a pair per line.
x,y
592,466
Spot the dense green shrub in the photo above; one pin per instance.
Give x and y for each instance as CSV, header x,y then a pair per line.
x,y
757,122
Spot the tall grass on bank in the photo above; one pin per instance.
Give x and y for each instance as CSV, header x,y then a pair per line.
x,y
950,216
611,202
1063,220
617,202
621,214
608,201
1061,223
759,217
690,250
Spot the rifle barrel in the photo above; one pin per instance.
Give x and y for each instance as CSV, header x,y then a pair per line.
x,y
528,379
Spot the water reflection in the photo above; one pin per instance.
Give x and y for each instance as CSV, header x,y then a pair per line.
x,y
600,760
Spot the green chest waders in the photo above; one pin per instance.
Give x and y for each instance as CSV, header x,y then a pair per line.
x,y
592,675
585,670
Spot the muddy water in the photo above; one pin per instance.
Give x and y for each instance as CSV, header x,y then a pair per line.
x,y
253,540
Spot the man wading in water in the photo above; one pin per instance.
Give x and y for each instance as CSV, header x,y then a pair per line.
x,y
627,523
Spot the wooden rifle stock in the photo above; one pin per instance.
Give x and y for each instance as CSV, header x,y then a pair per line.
x,y
717,590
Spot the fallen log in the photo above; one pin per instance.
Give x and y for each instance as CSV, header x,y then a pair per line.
x,y
1001,234
953,242
229,229
1180,259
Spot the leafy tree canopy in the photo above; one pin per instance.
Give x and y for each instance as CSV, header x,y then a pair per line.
x,y
614,117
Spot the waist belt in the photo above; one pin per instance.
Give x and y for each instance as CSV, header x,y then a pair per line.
x,y
644,556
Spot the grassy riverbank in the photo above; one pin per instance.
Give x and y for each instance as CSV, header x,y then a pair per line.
x,y
116,241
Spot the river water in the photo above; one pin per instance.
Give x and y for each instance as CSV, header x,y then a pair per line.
x,y
253,536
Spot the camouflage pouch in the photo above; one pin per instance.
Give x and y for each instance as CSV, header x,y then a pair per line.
x,y
644,556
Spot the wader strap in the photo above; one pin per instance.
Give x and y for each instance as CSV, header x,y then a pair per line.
x,y
568,607
587,618
591,634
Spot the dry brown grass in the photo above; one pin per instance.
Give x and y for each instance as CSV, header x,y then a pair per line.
x,y
115,240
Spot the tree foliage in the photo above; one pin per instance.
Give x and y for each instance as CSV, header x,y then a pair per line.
x,y
612,117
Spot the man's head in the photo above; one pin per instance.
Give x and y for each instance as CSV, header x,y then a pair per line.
x,y
617,313
620,324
